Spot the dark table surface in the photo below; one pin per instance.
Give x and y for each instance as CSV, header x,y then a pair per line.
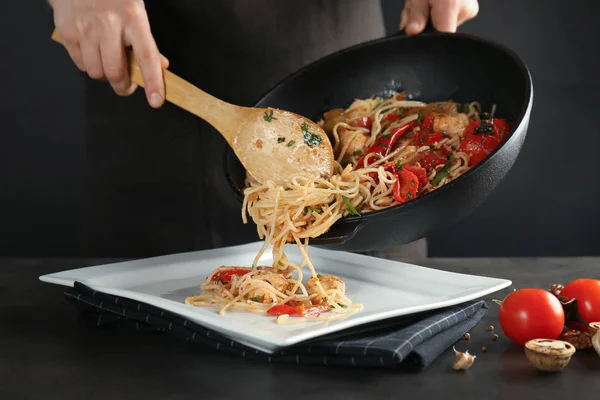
x,y
46,354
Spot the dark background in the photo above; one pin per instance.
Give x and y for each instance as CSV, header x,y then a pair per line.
x,y
547,205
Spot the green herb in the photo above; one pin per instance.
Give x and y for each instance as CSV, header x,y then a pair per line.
x,y
377,104
431,146
281,263
223,282
450,157
484,115
485,128
341,305
269,116
315,210
291,143
357,153
441,174
409,195
255,299
350,206
280,139
398,165
419,118
310,139
412,183
465,108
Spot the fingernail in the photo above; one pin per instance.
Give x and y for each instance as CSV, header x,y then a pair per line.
x,y
413,27
155,99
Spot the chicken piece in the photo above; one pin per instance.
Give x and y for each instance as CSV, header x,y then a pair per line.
x,y
278,281
331,118
451,124
328,282
356,144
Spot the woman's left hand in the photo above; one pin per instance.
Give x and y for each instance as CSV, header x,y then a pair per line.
x,y
446,15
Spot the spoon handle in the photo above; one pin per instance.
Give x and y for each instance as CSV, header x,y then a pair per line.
x,y
187,96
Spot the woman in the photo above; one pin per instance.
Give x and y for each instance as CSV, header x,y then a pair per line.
x,y
155,183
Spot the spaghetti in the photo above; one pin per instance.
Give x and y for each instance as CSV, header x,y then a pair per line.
x,y
388,152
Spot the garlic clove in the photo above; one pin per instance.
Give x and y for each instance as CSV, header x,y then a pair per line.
x,y
462,361
549,355
594,330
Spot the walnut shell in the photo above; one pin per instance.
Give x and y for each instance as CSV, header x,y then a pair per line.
x,y
549,355
580,340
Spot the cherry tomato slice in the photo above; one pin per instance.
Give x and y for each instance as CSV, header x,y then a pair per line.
x,y
478,146
282,309
427,139
226,275
527,314
406,186
430,160
427,124
420,173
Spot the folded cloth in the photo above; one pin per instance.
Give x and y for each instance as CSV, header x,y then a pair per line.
x,y
416,340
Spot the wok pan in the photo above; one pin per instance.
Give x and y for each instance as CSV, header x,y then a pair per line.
x,y
431,67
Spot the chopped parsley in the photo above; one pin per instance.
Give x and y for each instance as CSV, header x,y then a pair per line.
x,y
315,210
350,206
441,174
310,139
269,116
409,195
356,153
256,299
485,128
464,108
291,143
398,165
280,139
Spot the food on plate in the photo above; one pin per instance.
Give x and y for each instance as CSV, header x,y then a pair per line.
x,y
388,152
549,355
462,361
531,313
273,292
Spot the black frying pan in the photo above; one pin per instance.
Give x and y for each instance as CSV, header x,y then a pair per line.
x,y
431,67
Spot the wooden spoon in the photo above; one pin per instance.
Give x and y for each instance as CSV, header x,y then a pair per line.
x,y
271,144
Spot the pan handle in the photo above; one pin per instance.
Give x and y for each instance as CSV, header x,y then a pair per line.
x,y
339,233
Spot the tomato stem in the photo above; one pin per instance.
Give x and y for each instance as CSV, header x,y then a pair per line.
x,y
499,302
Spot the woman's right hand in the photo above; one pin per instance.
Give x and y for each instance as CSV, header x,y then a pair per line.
x,y
96,33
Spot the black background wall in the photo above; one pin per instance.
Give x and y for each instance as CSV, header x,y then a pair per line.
x,y
547,206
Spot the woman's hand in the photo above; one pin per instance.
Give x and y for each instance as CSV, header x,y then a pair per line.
x,y
96,33
446,15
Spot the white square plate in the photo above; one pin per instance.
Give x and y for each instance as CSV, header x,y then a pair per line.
x,y
386,289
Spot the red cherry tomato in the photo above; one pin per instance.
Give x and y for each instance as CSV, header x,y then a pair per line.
x,y
528,314
427,124
478,146
587,293
431,159
421,173
406,186
226,275
427,139
496,127
282,309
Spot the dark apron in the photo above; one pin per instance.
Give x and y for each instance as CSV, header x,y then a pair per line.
x,y
155,181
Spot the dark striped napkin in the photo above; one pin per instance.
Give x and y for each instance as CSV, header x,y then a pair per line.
x,y
415,340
